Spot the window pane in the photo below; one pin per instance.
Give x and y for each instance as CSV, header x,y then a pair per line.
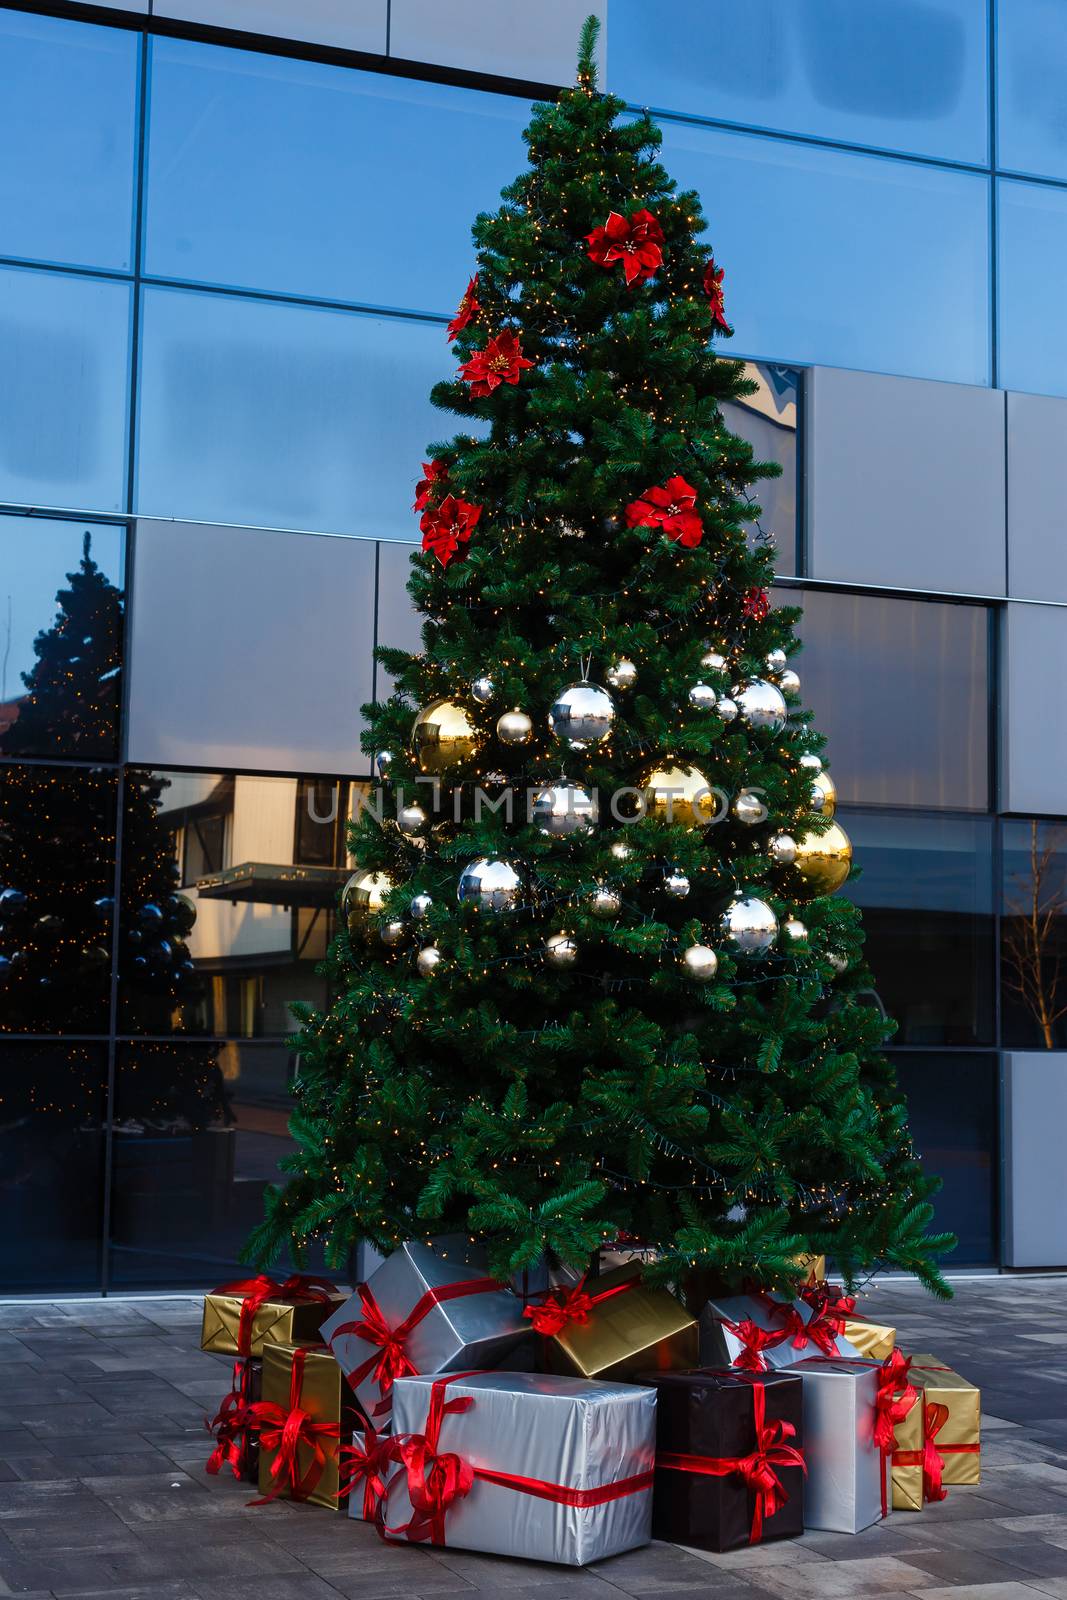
x,y
809,241
291,416
52,1108
952,1111
199,1130
64,348
1033,950
57,868
900,74
1031,69
900,688
229,892
61,588
926,889
68,107
316,180
1032,259
768,419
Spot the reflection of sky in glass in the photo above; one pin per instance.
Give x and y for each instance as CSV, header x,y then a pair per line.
x,y
35,557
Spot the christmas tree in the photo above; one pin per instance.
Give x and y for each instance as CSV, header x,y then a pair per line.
x,y
595,985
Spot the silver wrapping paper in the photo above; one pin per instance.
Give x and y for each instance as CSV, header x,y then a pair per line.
x,y
478,1330
565,1431
843,1489
720,1348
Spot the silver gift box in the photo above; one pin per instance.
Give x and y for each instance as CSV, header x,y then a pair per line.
x,y
566,1431
477,1330
720,1348
843,1488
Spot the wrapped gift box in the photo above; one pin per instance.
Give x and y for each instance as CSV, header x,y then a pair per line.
x,y
812,1267
956,1435
240,1318
301,1463
873,1339
614,1326
762,1332
421,1311
844,1486
561,1469
234,1424
708,1427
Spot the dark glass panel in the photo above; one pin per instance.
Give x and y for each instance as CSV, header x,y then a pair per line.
x,y
769,420
1033,948
199,1131
61,588
52,1106
900,688
229,892
952,1111
926,889
57,871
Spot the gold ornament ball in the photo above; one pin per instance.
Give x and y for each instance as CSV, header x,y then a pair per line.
x,y
823,860
622,674
700,962
605,901
428,960
679,794
443,736
823,795
561,950
362,896
514,727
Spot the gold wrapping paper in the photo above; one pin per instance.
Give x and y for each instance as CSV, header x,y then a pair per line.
x,y
638,1331
813,1268
907,1482
871,1338
326,1397
944,1387
274,1323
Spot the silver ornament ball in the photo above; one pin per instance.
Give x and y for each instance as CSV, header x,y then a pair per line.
x,y
794,930
428,960
487,885
782,849
712,661
411,819
702,698
605,901
621,850
561,950
726,708
789,682
776,661
392,932
811,763
421,906
622,674
581,715
562,810
762,705
676,885
749,809
514,727
749,925
384,761
700,962
482,690
837,961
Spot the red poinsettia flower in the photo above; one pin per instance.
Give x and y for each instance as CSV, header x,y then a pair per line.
x,y
713,277
500,362
755,604
433,473
669,508
447,526
468,308
635,241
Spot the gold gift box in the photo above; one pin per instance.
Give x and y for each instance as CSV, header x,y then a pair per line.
x,y
942,1386
907,1481
326,1397
642,1330
275,1322
813,1268
870,1338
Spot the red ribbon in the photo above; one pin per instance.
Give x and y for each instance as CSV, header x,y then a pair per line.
x,y
562,1307
367,1463
299,1289
930,1457
829,1304
893,1400
756,1470
284,1429
818,1330
754,1341
391,1360
233,1425
436,1481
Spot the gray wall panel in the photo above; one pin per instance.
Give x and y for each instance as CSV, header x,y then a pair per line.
x,y
399,624
1037,497
249,649
512,38
1033,710
1035,1115
905,483
345,24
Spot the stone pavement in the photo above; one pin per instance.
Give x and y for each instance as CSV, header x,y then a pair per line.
x,y
103,1493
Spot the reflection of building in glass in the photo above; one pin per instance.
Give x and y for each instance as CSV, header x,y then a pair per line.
x,y
768,420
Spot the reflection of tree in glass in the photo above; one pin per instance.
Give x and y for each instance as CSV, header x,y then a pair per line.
x,y
71,707
1035,904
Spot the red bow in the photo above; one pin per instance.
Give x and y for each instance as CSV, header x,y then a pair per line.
x,y
563,1307
818,1330
893,1400
233,1426
929,1457
755,1340
299,1289
367,1462
284,1429
436,1481
756,1470
829,1304
391,1360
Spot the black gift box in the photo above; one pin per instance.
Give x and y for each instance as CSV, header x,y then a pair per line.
x,y
710,1414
